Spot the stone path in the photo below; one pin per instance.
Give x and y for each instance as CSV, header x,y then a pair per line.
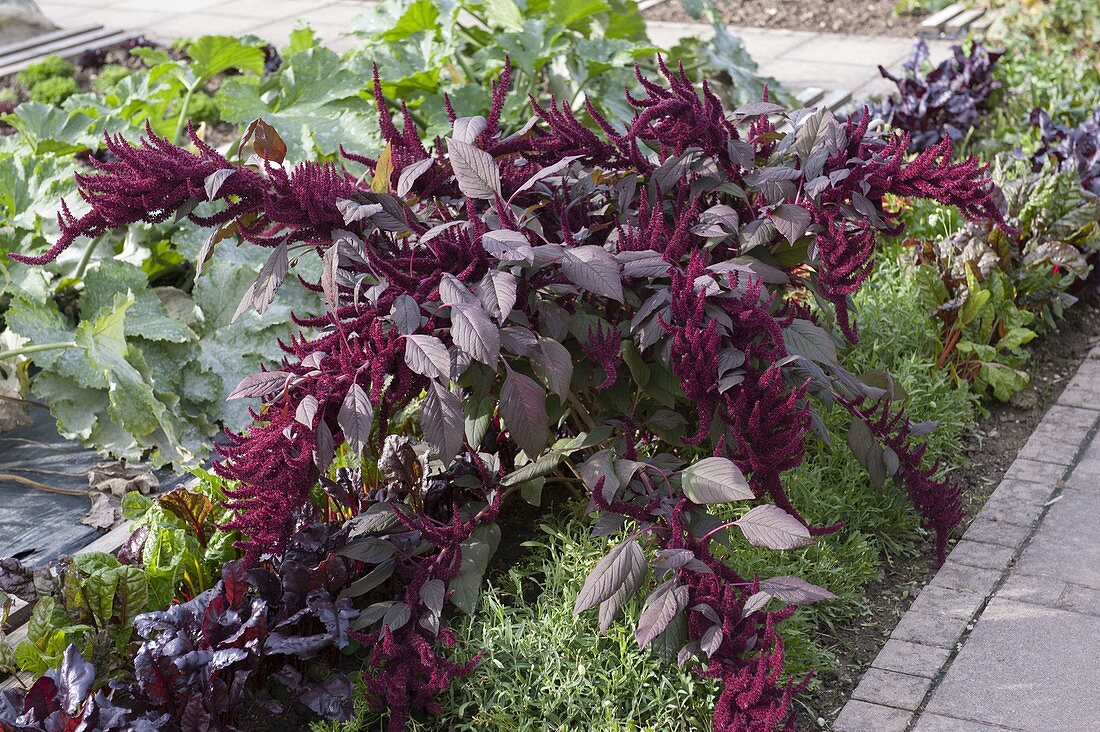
x,y
1007,634
798,59
801,60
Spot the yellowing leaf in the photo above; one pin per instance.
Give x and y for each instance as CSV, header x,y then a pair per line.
x,y
383,171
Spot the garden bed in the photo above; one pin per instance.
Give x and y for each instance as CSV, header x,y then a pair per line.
x,y
552,321
858,17
989,451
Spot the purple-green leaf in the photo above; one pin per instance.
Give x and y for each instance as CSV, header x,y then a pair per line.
x,y
715,480
523,407
442,422
356,416
474,332
594,269
663,604
475,170
623,566
770,526
427,356
794,590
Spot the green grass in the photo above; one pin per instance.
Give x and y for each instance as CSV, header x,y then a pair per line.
x,y
544,668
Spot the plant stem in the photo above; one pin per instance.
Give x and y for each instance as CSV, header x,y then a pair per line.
x,y
38,349
182,119
86,258
576,404
28,402
42,486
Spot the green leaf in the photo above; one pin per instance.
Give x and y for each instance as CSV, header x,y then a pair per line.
x,y
476,553
973,305
147,317
132,402
42,323
213,55
505,14
1003,380
1015,338
47,129
315,105
419,15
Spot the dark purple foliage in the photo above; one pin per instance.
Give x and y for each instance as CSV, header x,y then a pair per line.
x,y
64,699
948,101
1071,148
639,293
201,664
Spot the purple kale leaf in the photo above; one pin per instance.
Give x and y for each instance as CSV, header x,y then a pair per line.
x,y
948,101
1071,148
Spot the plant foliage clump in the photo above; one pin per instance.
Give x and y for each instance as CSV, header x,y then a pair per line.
x,y
948,101
1072,148
626,309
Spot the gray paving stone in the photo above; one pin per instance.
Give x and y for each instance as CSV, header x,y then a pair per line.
x,y
1080,600
986,556
886,51
1034,471
1025,667
1026,491
891,689
995,531
1086,474
940,723
915,659
1060,434
760,43
1083,389
861,716
965,577
1038,590
1006,506
1066,546
945,602
930,630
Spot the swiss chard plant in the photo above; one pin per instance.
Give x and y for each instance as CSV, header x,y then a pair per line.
x,y
91,600
649,312
947,101
993,292
217,662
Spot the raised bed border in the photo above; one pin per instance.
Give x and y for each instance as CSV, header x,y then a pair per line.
x,y
65,42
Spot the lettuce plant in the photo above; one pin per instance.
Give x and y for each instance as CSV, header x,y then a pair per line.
x,y
627,309
947,101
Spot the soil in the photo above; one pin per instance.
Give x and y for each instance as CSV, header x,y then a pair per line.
x,y
859,17
990,451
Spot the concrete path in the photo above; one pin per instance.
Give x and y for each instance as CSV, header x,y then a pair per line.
x,y
801,59
1007,634
798,59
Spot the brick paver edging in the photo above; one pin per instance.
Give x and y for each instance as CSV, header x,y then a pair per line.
x,y
895,689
